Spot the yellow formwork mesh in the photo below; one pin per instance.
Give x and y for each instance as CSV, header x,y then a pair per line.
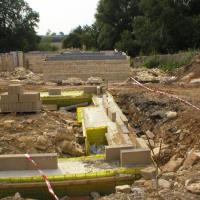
x,y
80,176
79,114
96,135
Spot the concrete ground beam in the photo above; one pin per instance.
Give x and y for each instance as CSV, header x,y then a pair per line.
x,y
20,162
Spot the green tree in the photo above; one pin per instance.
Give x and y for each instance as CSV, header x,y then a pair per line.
x,y
82,36
73,40
46,44
167,26
17,26
113,18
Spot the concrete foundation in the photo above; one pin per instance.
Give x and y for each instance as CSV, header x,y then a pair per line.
x,y
20,162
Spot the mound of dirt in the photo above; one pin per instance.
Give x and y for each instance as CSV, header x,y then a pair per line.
x,y
176,124
46,132
190,73
24,75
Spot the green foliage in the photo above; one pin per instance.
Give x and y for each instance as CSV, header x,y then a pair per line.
x,y
170,62
17,26
82,36
152,62
46,44
113,18
141,27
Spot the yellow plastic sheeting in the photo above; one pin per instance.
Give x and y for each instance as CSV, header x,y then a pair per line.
x,y
79,114
81,176
96,135
64,93
66,100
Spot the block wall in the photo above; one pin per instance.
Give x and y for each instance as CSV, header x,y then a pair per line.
x,y
110,70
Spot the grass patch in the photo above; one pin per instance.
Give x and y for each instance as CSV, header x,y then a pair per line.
x,y
169,62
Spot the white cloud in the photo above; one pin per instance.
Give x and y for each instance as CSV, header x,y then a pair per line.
x,y
63,15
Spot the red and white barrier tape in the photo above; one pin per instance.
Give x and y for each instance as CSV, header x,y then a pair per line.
x,y
164,93
43,176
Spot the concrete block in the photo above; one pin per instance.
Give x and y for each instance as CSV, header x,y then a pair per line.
x,y
11,98
99,90
113,152
36,106
4,108
112,114
140,143
135,157
90,89
20,162
29,97
54,91
15,89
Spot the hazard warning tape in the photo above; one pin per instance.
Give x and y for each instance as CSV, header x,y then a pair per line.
x,y
43,176
164,93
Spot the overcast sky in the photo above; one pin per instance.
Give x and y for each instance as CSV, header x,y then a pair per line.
x,y
63,15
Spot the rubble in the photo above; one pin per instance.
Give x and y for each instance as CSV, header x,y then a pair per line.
x,y
73,81
123,188
32,134
17,196
94,81
148,173
173,165
164,183
193,186
23,75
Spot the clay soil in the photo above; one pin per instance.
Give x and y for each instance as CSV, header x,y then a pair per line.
x,y
146,111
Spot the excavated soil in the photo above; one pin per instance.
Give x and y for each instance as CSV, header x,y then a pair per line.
x,y
45,132
147,112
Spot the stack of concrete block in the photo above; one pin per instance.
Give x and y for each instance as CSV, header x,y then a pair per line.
x,y
16,100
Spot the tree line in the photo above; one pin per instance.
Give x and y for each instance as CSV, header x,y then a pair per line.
x,y
133,26
141,27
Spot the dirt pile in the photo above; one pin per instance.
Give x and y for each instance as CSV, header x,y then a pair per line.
x,y
190,73
17,196
47,132
156,75
23,75
173,126
176,124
